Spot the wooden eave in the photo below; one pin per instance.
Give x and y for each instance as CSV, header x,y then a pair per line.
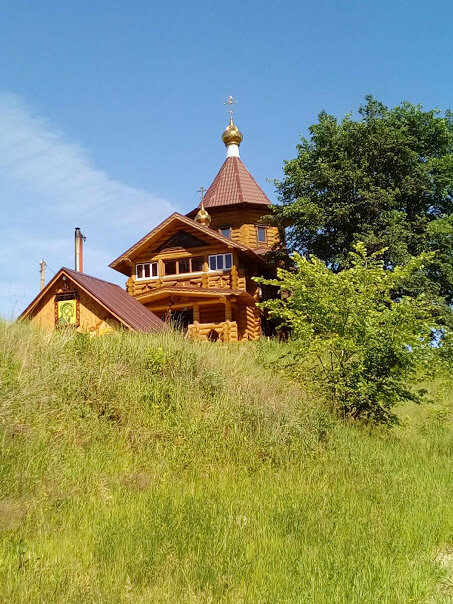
x,y
165,229
195,292
24,314
231,207
43,292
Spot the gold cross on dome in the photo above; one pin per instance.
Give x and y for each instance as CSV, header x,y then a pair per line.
x,y
202,191
230,102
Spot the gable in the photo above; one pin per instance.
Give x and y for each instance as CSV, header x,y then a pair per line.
x,y
164,233
88,315
99,300
181,240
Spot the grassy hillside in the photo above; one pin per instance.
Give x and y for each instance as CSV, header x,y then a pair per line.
x,y
153,469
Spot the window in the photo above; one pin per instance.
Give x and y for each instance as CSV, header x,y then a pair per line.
x,y
147,271
225,231
170,267
261,234
196,264
220,262
183,265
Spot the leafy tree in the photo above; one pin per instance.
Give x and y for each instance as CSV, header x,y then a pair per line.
x,y
440,270
359,342
385,179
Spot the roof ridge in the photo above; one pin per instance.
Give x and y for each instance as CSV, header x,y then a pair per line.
x,y
137,243
74,272
238,179
81,277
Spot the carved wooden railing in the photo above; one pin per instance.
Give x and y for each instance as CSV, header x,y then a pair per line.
x,y
233,279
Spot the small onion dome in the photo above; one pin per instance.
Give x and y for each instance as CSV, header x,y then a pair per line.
x,y
232,134
202,216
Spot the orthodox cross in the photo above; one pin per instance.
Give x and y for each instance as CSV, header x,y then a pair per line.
x,y
202,191
230,102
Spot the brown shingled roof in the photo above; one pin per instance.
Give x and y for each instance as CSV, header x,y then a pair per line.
x,y
234,185
116,300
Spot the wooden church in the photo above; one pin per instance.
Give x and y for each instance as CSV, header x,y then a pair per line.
x,y
199,268
196,270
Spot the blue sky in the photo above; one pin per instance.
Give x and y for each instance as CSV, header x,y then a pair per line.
x,y
111,112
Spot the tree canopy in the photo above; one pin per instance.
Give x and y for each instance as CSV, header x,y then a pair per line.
x,y
385,179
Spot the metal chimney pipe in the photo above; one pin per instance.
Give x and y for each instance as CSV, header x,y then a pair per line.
x,y
77,249
82,239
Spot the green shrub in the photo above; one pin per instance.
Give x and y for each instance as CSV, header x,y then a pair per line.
x,y
359,340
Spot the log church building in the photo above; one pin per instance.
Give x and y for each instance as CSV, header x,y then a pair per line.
x,y
196,269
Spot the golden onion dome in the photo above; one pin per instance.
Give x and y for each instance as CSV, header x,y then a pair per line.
x,y
203,216
232,134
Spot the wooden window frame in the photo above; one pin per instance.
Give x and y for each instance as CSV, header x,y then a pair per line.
x,y
151,276
191,267
260,227
225,228
167,260
212,270
191,271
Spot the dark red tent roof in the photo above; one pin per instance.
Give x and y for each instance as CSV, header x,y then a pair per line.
x,y
234,185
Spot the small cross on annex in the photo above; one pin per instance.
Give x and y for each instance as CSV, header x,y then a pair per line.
x,y
198,269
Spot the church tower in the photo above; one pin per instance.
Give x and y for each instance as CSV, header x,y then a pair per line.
x,y
235,202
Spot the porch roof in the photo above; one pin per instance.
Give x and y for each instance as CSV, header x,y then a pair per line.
x,y
193,293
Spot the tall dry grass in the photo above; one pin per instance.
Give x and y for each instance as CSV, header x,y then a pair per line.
x,y
154,469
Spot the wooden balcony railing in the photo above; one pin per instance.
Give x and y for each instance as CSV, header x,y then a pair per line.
x,y
234,279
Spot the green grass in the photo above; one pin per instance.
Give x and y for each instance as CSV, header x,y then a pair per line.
x,y
154,469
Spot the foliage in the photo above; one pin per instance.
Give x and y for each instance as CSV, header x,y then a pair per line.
x,y
440,239
385,179
362,342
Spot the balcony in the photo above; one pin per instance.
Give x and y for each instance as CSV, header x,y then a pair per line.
x,y
231,279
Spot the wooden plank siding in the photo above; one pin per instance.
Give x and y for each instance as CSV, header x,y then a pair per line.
x,y
93,317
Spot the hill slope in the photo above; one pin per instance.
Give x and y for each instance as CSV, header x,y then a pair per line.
x,y
153,469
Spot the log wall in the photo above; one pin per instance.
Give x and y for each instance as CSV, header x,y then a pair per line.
x,y
212,314
226,331
246,324
243,223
